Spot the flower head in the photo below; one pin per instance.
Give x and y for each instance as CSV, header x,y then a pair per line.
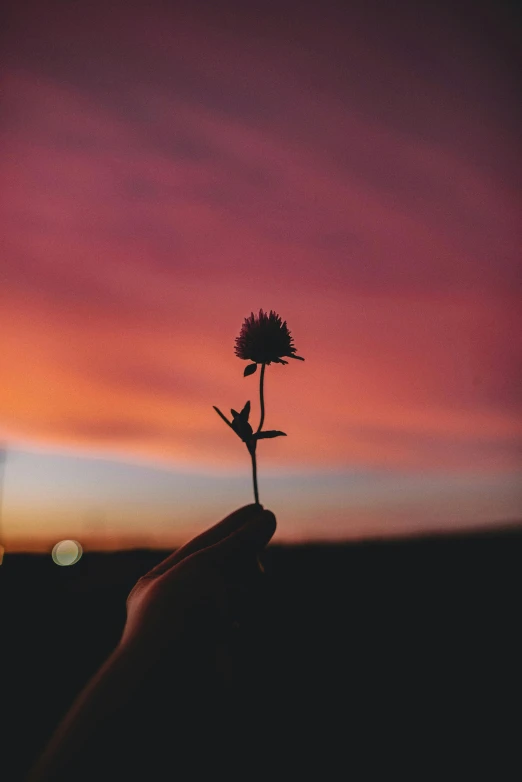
x,y
264,339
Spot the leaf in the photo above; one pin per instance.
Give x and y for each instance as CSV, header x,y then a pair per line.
x,y
246,432
242,428
234,413
269,434
249,370
245,412
218,411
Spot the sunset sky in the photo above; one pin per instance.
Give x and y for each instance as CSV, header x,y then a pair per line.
x,y
168,168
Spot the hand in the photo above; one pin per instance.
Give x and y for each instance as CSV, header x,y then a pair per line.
x,y
192,600
163,684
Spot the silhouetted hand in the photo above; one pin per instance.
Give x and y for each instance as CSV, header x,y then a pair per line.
x,y
198,593
170,680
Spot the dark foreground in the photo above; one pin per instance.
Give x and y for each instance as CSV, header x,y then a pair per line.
x,y
381,657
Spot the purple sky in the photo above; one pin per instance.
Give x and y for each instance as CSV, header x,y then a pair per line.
x,y
166,169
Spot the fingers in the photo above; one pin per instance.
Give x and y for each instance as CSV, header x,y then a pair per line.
x,y
247,540
210,537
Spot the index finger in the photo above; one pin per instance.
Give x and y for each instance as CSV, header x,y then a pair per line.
x,y
209,537
248,539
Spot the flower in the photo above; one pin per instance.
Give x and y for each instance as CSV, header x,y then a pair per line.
x,y
264,339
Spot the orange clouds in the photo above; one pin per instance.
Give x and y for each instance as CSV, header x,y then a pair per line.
x,y
156,193
387,393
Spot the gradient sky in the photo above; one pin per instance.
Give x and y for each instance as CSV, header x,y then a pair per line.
x,y
355,167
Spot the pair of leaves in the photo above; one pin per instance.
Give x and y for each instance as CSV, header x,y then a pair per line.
x,y
240,423
243,429
244,414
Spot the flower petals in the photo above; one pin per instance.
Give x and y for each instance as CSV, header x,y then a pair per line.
x,y
263,339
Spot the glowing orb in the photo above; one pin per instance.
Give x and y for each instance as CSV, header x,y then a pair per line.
x,y
67,552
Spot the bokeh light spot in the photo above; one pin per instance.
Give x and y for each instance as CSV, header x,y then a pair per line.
x,y
67,552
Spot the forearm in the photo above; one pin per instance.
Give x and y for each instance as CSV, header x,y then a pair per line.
x,y
95,712
117,721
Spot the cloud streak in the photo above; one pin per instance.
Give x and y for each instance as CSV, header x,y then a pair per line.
x,y
165,175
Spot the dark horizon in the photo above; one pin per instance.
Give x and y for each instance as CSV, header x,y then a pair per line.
x,y
411,638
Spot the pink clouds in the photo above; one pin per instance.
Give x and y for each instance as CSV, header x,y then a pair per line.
x,y
159,181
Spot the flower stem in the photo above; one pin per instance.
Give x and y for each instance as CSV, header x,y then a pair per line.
x,y
254,472
261,397
252,447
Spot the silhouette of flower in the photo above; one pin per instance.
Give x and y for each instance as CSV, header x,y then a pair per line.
x,y
264,339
